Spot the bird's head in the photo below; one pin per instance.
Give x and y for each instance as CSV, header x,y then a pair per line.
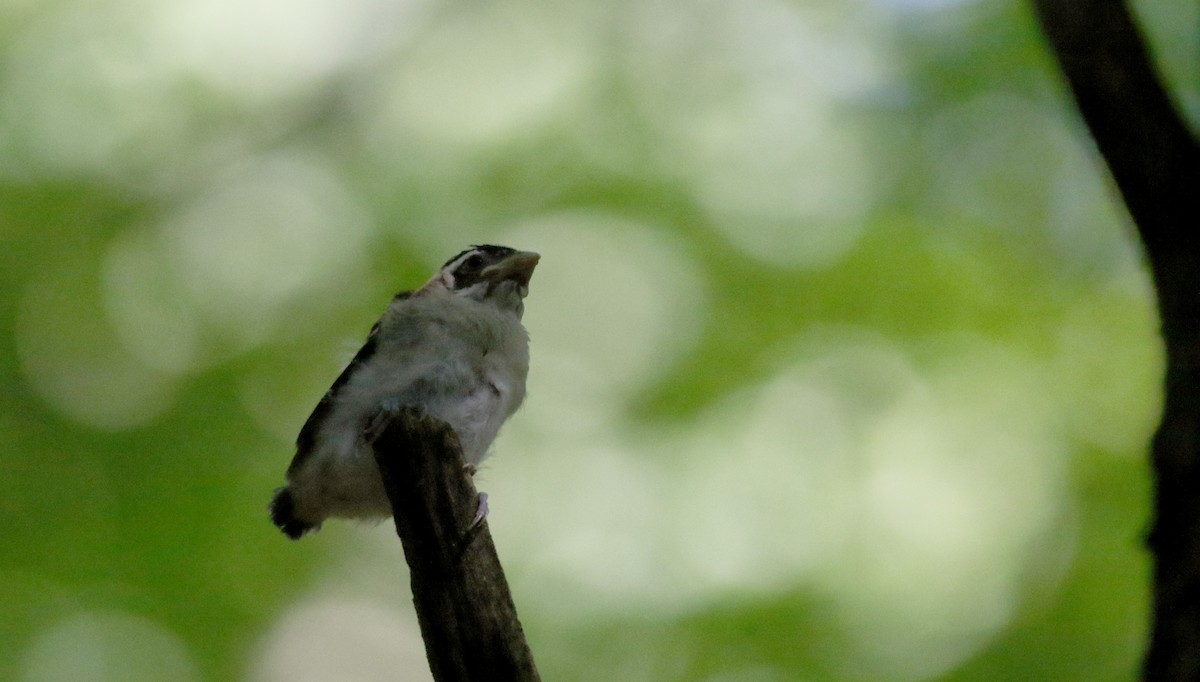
x,y
490,274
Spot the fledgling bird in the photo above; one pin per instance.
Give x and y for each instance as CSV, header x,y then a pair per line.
x,y
455,347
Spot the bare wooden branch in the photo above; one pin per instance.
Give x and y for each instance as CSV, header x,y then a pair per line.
x,y
1155,161
463,603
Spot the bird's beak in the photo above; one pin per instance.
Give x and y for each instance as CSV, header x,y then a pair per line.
x,y
517,267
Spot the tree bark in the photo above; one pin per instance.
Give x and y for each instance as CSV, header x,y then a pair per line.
x,y
1155,161
463,604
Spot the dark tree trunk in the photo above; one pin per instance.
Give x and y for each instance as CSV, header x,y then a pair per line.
x,y
462,600
1155,162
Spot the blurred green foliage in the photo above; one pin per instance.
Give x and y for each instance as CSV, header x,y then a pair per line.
x,y
845,360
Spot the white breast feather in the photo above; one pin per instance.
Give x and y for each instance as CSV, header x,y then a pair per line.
x,y
462,361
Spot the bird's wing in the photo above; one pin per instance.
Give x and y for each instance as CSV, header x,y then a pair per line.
x,y
307,438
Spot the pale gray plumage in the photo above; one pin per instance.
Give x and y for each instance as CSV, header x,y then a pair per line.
x,y
456,348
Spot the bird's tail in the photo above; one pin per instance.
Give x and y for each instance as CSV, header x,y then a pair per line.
x,y
283,515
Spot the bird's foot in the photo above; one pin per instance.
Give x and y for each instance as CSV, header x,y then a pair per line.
x,y
476,526
480,513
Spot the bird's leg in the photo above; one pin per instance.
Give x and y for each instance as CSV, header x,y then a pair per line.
x,y
389,409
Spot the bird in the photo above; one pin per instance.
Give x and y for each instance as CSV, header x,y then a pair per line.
x,y
455,348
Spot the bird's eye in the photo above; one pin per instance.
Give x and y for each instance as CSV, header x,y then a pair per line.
x,y
474,262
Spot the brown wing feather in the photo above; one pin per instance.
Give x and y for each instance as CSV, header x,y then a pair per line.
x,y
307,438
